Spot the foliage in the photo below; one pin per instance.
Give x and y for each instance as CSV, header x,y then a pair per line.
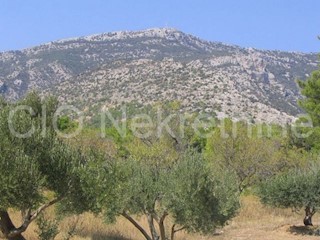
x,y
201,197
66,124
162,126
186,189
34,161
47,228
296,189
252,152
311,90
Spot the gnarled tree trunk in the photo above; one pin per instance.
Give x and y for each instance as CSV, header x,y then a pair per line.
x,y
309,214
162,227
153,230
7,227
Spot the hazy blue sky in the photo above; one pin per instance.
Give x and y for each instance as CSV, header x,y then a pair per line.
x,y
268,24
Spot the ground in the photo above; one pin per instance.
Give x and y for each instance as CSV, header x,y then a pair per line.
x,y
254,222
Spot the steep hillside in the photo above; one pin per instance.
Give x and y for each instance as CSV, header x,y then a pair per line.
x,y
160,64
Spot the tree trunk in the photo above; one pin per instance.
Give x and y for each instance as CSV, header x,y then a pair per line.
x,y
309,214
153,230
172,231
143,232
162,227
7,227
162,231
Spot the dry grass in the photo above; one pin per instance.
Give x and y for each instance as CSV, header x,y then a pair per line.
x,y
254,222
258,222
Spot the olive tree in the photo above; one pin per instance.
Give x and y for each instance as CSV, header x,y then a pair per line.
x,y
158,177
295,189
37,169
187,191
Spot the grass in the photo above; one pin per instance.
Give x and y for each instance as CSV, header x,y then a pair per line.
x,y
258,222
254,222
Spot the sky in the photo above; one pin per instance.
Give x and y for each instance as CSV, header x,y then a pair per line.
x,y
289,25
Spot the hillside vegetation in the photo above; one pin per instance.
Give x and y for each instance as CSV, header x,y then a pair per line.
x,y
106,70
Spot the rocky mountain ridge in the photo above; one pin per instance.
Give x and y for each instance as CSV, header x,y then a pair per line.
x,y
104,70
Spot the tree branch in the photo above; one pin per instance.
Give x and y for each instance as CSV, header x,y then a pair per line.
x,y
174,231
163,217
29,218
44,207
136,224
179,229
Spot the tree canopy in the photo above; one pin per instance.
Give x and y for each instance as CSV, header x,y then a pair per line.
x,y
34,161
196,197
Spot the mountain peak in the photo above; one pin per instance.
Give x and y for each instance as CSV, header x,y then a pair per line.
x,y
120,35
152,32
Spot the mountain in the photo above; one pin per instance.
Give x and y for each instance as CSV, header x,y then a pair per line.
x,y
160,64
